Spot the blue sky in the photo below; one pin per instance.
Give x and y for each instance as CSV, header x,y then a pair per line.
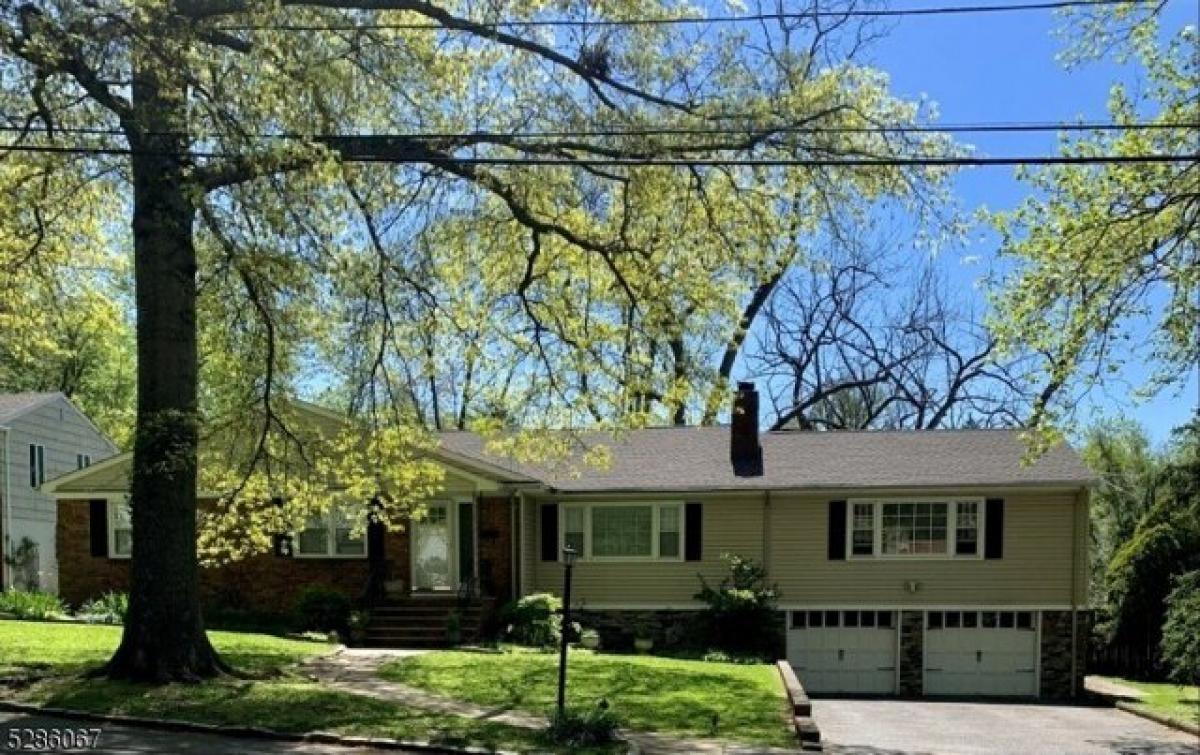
x,y
1002,67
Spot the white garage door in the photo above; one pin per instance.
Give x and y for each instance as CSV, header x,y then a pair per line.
x,y
981,653
844,651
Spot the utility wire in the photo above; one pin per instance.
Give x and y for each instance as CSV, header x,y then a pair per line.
x,y
1015,127
694,20
654,161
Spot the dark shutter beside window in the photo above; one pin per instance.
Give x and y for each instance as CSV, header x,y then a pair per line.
x,y
993,528
33,475
549,523
693,531
98,528
837,530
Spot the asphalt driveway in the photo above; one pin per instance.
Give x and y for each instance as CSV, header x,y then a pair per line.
x,y
904,727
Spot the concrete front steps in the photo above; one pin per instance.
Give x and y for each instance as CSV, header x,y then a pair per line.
x,y
421,621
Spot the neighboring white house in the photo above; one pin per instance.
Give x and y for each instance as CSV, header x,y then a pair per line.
x,y
42,436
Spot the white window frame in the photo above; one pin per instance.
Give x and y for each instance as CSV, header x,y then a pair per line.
x,y
114,505
37,468
951,529
655,530
331,517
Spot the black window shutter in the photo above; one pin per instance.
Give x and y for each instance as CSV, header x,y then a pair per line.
x,y
693,531
837,530
549,520
993,528
98,528
376,532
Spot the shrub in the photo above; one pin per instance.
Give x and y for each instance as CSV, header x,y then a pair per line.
x,y
741,614
324,610
109,608
1181,631
534,620
23,604
574,727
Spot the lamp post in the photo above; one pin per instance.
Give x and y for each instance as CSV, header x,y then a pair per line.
x,y
568,554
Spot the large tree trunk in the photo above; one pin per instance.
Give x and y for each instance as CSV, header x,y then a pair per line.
x,y
164,637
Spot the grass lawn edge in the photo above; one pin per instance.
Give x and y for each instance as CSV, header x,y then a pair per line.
x,y
245,732
1159,718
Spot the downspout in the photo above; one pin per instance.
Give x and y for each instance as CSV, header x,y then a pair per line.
x,y
766,529
519,546
1074,594
6,512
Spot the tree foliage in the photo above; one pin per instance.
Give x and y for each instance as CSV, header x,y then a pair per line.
x,y
1181,631
1098,251
367,196
1164,544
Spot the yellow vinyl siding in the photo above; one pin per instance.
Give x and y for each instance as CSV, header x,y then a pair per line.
x,y
1036,568
732,524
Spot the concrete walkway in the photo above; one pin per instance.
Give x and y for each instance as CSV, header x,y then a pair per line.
x,y
356,670
1111,689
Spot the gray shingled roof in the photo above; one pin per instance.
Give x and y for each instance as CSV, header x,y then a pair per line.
x,y
13,405
697,458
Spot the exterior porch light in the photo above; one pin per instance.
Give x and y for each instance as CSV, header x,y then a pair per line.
x,y
568,559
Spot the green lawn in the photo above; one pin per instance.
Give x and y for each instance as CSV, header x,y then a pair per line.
x,y
1181,703
61,647
283,702
745,701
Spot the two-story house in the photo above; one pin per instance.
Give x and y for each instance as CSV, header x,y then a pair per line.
x,y
42,436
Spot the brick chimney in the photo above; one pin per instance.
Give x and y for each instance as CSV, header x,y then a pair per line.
x,y
745,453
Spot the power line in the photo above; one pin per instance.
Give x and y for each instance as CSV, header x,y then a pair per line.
x,y
586,162
693,20
997,127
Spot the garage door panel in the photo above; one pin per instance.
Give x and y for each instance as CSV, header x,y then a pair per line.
x,y
844,659
980,660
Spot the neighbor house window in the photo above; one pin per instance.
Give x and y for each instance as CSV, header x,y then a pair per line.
x,y
120,530
331,535
82,461
636,531
37,465
914,528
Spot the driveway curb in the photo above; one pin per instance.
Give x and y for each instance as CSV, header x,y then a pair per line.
x,y
1159,719
248,732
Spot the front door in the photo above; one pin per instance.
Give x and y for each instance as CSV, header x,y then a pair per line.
x,y
432,537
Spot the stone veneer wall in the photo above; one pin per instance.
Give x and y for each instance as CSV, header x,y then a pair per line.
x,y
671,628
1056,681
912,653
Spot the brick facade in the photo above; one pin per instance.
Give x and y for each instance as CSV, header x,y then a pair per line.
x,y
494,517
268,584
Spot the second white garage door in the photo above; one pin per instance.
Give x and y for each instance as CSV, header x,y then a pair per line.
x,y
981,653
844,651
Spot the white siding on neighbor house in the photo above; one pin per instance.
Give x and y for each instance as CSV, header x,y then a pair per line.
x,y
64,433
